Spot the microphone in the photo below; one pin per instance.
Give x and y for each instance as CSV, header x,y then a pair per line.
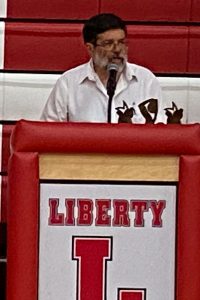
x,y
111,84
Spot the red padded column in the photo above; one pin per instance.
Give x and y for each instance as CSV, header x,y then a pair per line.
x,y
23,240
188,242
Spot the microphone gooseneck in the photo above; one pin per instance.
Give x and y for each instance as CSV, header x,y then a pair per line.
x,y
111,86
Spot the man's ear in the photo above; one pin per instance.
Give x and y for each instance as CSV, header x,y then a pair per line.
x,y
90,48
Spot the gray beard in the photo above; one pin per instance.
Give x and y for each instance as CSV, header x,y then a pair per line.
x,y
103,62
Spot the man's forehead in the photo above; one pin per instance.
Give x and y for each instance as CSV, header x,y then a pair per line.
x,y
112,34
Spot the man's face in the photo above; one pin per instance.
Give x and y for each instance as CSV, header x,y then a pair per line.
x,y
110,47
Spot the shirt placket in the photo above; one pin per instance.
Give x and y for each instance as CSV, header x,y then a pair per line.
x,y
121,86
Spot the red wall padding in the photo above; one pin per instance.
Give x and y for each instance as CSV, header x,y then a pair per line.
x,y
194,50
52,9
195,11
42,46
160,48
149,10
58,47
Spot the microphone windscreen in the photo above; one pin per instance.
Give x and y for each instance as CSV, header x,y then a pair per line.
x,y
112,67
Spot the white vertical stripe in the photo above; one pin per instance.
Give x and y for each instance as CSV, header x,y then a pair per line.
x,y
2,42
3,8
175,89
194,100
26,94
2,96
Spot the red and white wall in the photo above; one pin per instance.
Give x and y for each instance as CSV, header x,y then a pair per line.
x,y
41,39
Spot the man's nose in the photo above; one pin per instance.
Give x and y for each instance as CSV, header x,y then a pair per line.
x,y
117,47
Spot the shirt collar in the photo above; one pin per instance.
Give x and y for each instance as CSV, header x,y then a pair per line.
x,y
89,72
129,72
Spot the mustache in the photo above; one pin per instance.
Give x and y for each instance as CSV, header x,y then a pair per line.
x,y
122,58
119,56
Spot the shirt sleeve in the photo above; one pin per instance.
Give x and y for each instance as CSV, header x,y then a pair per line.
x,y
56,106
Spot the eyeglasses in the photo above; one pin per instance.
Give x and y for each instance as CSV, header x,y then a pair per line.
x,y
110,44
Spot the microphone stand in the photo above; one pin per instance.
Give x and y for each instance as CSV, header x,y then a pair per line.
x,y
111,85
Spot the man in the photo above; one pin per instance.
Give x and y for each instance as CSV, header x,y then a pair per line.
x,y
81,94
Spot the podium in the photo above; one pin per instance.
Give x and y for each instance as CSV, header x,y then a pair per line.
x,y
104,211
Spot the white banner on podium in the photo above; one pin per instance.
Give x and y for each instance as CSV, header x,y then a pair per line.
x,y
107,241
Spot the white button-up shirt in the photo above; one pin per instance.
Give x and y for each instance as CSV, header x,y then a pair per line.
x,y
80,96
